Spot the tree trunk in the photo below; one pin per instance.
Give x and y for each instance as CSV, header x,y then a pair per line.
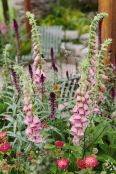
x,y
109,25
5,9
27,4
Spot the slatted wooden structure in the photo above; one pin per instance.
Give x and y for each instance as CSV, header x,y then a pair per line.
x,y
68,88
51,37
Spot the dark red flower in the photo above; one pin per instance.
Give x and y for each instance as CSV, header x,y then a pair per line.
x,y
5,147
62,164
59,144
81,163
89,161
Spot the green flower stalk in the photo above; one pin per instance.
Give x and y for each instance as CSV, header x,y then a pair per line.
x,y
6,62
35,36
85,65
32,122
92,75
38,74
6,56
93,30
100,63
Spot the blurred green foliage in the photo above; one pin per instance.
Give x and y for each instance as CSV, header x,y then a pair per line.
x,y
84,5
68,18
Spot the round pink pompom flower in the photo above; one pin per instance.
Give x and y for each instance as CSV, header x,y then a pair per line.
x,y
62,163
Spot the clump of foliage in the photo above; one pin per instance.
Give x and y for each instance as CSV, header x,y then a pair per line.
x,y
68,18
84,5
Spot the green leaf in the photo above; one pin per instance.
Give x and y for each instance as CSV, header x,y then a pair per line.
x,y
103,158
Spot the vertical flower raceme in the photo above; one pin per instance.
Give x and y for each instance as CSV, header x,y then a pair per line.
x,y
53,61
33,123
90,84
101,76
53,104
38,73
15,79
80,113
30,71
100,33
16,30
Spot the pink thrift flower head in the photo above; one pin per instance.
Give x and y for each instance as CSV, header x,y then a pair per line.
x,y
62,163
5,147
3,29
90,161
59,144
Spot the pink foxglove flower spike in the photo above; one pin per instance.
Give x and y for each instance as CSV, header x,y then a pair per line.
x,y
33,123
